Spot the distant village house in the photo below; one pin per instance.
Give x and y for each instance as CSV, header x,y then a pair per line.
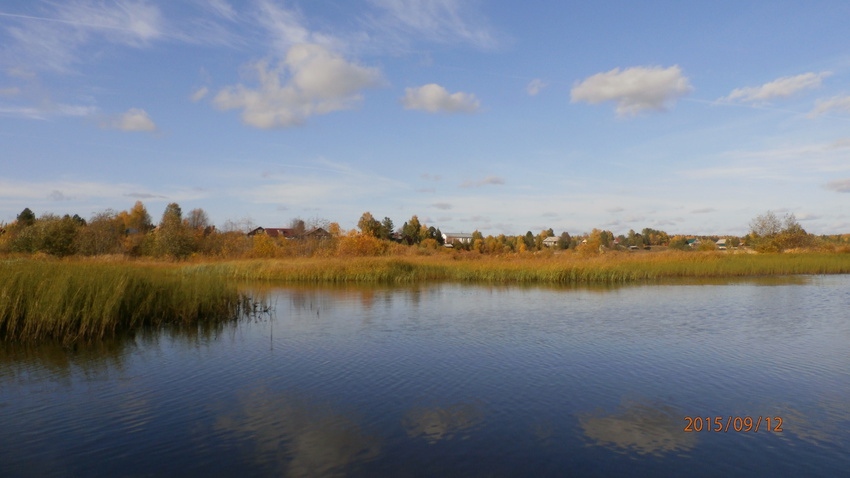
x,y
289,233
450,238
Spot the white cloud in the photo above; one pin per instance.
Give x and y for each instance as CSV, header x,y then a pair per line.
x,y
442,205
779,88
535,86
134,119
12,91
433,98
489,180
837,103
311,80
441,21
635,89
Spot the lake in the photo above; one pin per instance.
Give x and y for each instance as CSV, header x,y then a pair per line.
x,y
454,380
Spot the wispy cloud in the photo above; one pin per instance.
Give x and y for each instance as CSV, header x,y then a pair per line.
x,y
442,205
55,40
134,119
144,196
311,80
489,180
777,89
433,98
199,94
46,110
839,185
840,104
535,86
287,28
439,21
635,89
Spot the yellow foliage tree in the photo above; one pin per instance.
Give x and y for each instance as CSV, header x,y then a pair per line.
x,y
262,246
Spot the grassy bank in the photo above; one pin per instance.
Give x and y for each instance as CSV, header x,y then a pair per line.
x,y
73,301
84,299
552,269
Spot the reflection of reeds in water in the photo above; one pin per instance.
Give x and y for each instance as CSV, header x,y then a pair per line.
x,y
611,268
82,301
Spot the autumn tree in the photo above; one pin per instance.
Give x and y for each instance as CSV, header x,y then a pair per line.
x,y
769,233
197,219
368,225
334,229
298,226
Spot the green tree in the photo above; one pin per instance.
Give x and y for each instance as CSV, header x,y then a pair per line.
x,y
172,237
564,240
56,236
528,240
387,228
26,218
411,231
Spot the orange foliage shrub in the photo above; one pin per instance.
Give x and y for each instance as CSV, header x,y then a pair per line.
x,y
360,245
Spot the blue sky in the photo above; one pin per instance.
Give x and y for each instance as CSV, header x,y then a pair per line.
x,y
689,117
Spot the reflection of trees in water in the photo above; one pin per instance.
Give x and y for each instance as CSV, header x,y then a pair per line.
x,y
297,438
638,427
441,423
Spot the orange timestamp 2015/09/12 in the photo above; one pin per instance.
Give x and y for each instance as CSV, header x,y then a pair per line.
x,y
731,423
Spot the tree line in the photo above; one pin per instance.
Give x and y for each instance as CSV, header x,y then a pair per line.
x,y
178,235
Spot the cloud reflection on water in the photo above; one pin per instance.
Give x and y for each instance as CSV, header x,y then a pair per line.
x,y
637,427
441,423
295,437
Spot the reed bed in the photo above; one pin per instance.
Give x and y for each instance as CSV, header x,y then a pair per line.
x,y
72,302
83,300
610,268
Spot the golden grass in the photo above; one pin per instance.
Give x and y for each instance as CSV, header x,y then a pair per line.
x,y
74,300
553,269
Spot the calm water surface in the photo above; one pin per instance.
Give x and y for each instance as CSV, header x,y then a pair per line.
x,y
453,380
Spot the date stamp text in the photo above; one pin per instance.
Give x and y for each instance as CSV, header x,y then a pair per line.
x,y
731,423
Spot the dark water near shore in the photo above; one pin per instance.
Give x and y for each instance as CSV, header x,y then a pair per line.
x,y
451,380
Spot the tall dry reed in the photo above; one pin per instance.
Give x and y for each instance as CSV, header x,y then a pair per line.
x,y
80,301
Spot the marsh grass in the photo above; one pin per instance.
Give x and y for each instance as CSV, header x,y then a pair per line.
x,y
613,268
79,301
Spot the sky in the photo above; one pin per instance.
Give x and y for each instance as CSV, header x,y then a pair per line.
x,y
498,116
